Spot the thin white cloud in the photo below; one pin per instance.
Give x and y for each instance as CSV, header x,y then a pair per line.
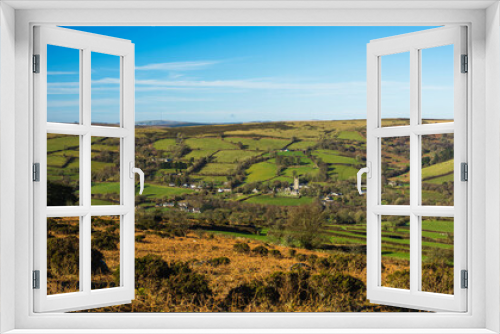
x,y
250,84
159,99
62,84
178,66
63,104
63,88
63,91
61,73
301,87
106,81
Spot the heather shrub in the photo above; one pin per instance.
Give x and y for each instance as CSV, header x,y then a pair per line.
x,y
241,247
98,265
63,256
301,257
59,227
176,279
399,279
328,285
219,261
260,250
437,278
275,253
105,241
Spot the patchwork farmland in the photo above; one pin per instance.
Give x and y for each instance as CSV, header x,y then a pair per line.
x,y
250,184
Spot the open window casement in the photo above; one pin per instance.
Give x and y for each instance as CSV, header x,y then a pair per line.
x,y
75,142
418,211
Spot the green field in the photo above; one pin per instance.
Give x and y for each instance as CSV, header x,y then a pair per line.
x,y
110,147
351,135
62,143
260,144
159,191
344,172
210,178
430,173
218,169
438,225
301,145
167,144
105,188
67,153
332,158
154,190
261,171
442,168
285,201
291,153
95,201
56,161
301,170
261,237
209,144
441,179
234,156
98,165
197,154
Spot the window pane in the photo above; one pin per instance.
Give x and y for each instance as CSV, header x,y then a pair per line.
x,y
105,252
437,98
395,89
395,248
63,170
437,254
395,170
105,171
437,170
63,255
63,84
105,89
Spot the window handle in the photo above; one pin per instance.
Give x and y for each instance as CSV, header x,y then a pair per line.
x,y
133,171
368,172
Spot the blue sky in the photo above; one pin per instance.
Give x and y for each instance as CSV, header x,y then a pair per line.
x,y
242,74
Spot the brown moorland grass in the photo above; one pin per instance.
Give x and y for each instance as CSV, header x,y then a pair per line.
x,y
247,269
244,269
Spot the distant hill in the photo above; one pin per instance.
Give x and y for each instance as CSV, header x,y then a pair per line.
x,y
170,124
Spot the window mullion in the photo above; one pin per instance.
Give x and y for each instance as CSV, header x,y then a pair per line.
x,y
85,176
414,170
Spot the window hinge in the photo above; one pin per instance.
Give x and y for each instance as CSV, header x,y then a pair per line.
x,y
465,279
36,172
36,63
465,64
36,279
464,174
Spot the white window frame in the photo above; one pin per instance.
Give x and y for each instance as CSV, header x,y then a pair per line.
x,y
16,307
85,44
413,44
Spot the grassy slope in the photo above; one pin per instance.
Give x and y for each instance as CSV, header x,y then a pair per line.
x,y
287,201
332,158
165,144
351,135
218,169
261,171
234,156
209,144
428,173
260,144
